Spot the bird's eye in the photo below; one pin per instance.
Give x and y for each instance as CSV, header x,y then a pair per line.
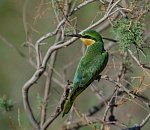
x,y
87,36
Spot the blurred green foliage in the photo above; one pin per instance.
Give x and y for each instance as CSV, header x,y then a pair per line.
x,y
128,32
6,104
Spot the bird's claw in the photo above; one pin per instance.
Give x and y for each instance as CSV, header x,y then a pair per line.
x,y
69,82
98,78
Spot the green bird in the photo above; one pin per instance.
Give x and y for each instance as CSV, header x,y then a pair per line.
x,y
90,66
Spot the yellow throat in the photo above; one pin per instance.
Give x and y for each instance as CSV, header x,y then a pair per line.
x,y
87,41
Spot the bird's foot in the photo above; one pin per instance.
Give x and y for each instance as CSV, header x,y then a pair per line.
x,y
98,78
69,82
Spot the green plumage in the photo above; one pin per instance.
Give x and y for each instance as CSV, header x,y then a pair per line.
x,y
91,64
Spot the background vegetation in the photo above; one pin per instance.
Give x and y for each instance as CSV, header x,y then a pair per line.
x,y
29,28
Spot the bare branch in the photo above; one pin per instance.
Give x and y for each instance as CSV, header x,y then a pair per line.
x,y
138,127
81,5
137,61
3,39
58,110
118,84
46,36
87,121
145,121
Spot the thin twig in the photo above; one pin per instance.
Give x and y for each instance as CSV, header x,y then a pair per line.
x,y
108,105
118,84
111,7
58,109
46,36
75,125
24,18
81,5
47,89
96,91
145,121
11,45
137,61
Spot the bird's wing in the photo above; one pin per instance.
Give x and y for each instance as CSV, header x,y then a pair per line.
x,y
87,70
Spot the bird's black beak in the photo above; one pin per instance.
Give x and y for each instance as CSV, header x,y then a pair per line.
x,y
74,35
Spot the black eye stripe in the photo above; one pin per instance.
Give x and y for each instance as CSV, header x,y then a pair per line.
x,y
86,36
89,37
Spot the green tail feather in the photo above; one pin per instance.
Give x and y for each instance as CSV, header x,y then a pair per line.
x,y
71,99
67,107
